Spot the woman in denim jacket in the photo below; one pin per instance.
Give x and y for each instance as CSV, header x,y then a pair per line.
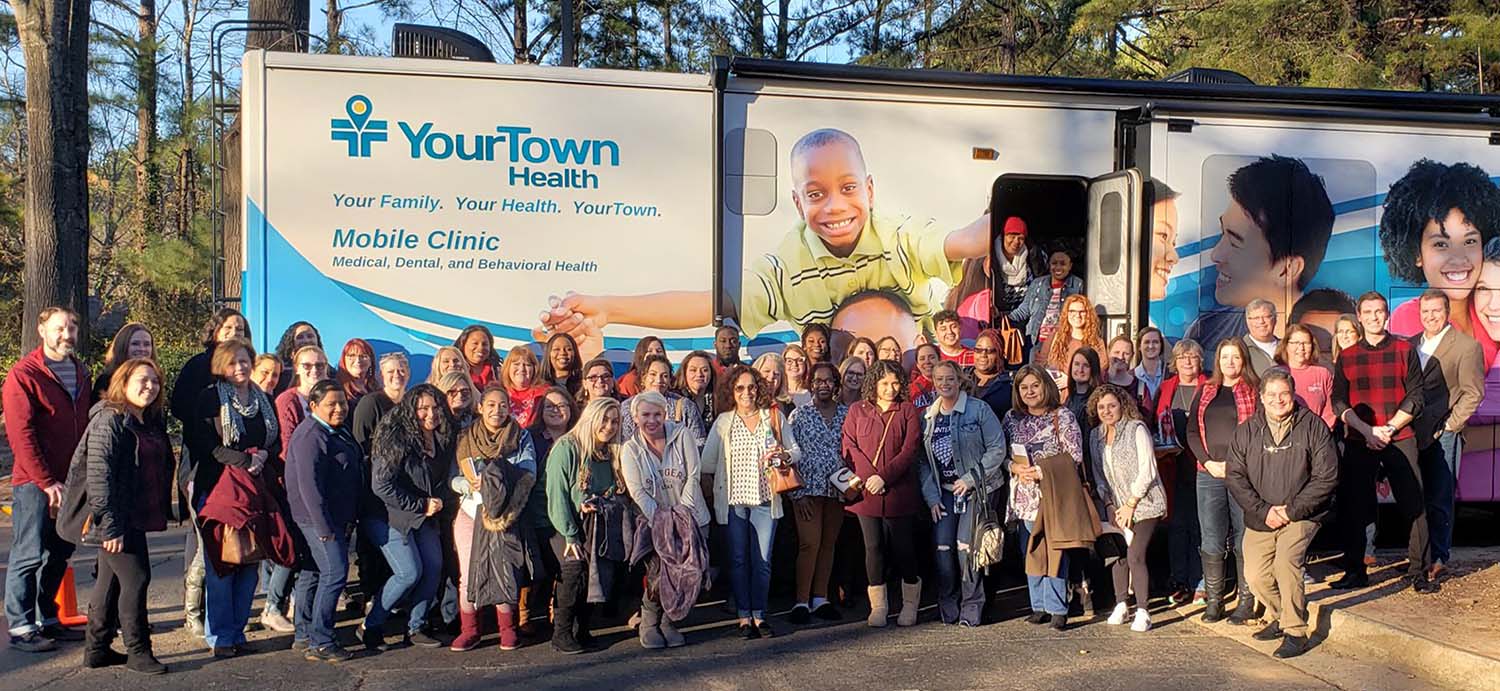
x,y
963,439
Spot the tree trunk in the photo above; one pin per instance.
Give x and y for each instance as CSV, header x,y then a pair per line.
x,y
519,38
783,30
147,177
55,45
1008,39
335,27
187,173
294,14
669,61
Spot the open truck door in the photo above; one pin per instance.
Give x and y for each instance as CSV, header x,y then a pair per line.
x,y
1099,222
1118,248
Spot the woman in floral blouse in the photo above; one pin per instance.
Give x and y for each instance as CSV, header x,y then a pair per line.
x,y
1038,421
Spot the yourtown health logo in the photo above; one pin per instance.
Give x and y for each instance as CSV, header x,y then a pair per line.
x,y
358,130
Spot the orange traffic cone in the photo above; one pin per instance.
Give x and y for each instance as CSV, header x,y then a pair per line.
x,y
67,602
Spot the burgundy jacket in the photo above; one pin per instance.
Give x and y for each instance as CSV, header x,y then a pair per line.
x,y
242,500
897,462
289,414
42,422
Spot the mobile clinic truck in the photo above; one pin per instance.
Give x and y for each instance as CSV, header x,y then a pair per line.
x,y
398,200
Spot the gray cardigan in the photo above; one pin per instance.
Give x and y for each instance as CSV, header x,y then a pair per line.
x,y
1131,471
978,445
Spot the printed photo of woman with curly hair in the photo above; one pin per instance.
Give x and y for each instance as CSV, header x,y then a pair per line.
x,y
1435,223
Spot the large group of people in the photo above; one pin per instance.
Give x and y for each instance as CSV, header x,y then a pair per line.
x,y
534,488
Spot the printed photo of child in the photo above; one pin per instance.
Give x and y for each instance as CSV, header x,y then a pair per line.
x,y
839,247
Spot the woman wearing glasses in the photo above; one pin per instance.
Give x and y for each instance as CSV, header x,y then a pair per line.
x,y
1299,353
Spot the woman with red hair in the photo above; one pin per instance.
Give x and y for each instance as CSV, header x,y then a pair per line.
x,y
356,373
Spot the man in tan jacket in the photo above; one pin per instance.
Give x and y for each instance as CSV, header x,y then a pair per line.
x,y
1452,386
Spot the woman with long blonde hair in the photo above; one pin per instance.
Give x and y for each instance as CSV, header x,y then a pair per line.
x,y
583,475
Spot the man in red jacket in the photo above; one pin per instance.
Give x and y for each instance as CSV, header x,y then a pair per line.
x,y
46,399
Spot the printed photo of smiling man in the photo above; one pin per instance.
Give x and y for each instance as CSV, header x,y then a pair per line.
x,y
1275,231
1436,220
840,246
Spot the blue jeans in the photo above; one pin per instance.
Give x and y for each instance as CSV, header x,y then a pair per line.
x,y
279,581
1219,516
1439,479
1048,593
751,529
226,604
38,560
416,561
318,588
959,596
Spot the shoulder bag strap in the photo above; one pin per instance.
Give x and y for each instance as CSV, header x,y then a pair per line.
x,y
875,460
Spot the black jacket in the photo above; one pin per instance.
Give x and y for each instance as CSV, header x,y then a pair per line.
x,y
1301,472
203,437
402,475
104,482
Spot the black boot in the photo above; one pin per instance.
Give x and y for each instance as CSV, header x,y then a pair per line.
x,y
1213,586
141,660
1244,609
584,615
570,601
96,657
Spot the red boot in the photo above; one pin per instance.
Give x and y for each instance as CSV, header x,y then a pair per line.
x,y
507,622
468,637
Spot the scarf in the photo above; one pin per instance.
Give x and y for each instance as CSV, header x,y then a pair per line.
x,y
232,415
1244,406
1015,270
479,442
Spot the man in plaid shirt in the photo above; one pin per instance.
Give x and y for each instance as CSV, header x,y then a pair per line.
x,y
1377,393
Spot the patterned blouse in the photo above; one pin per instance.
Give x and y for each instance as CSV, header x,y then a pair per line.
x,y
1036,433
748,484
819,441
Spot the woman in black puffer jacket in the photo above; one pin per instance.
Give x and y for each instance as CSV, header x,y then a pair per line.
x,y
119,488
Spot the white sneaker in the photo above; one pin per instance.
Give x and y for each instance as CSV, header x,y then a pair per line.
x,y
1142,621
275,621
1117,617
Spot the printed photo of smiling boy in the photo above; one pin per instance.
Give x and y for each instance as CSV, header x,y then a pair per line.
x,y
1435,222
1275,231
840,246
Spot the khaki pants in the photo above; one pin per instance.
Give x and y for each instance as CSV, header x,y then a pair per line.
x,y
1274,563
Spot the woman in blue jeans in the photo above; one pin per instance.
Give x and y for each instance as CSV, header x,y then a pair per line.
x,y
965,447
409,458
234,426
1038,422
1222,403
748,436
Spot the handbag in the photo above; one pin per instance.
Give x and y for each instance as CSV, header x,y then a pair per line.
x,y
987,545
240,546
784,478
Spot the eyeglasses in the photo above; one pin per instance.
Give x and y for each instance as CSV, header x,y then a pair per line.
x,y
1261,318
744,387
555,408
985,351
597,377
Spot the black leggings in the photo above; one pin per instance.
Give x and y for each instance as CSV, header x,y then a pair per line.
x,y
119,596
1130,572
896,534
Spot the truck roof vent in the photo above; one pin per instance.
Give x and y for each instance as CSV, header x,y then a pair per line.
x,y
419,41
1208,75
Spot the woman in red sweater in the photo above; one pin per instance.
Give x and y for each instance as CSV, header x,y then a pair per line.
x,y
880,442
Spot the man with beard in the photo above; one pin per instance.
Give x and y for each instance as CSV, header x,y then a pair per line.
x,y
46,398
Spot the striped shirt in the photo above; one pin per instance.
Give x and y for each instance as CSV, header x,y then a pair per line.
x,y
802,282
66,373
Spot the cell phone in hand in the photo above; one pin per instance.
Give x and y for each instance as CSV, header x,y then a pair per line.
x,y
1019,454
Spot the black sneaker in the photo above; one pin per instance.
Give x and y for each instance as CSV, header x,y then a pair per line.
x,y
332,653
1060,622
374,641
799,615
748,632
423,639
1350,581
1271,632
225,652
827,612
1424,586
764,630
33,642
58,632
1038,618
1291,646
566,644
